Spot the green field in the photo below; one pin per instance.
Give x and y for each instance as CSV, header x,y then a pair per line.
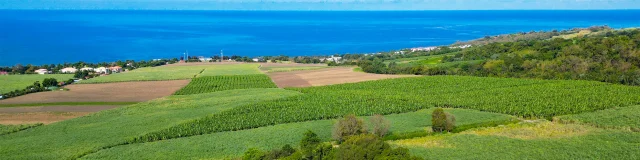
x,y
10,83
233,144
520,97
8,129
620,118
176,73
528,141
76,137
220,83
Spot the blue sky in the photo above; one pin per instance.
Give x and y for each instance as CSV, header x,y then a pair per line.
x,y
322,4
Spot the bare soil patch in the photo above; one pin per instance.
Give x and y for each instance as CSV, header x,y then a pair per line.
x,y
38,117
104,92
329,76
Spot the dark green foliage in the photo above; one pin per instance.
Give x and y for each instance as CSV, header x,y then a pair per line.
x,y
369,147
81,74
308,143
254,154
613,57
438,120
285,151
348,126
219,83
50,82
450,123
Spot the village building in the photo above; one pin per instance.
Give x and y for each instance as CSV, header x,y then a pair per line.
x,y
68,70
115,69
334,59
100,70
86,69
4,73
42,71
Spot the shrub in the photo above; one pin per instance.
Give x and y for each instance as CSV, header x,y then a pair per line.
x,y
49,82
253,154
368,146
285,151
450,123
348,126
308,143
380,125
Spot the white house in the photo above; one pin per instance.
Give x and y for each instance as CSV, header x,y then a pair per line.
x,y
115,69
334,59
100,70
42,71
86,69
68,70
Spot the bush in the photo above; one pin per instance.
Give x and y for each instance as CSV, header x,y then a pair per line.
x,y
285,151
380,125
442,121
253,154
308,143
348,126
368,146
49,82
450,123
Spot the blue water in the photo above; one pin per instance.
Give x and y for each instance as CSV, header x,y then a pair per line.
x,y
45,37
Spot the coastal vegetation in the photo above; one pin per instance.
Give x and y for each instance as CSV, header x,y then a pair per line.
x,y
612,57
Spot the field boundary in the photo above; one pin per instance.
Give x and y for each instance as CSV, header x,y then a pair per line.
x,y
67,104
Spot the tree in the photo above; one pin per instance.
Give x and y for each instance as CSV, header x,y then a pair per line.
x,y
441,121
49,82
380,125
367,146
348,126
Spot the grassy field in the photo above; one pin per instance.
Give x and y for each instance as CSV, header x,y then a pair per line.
x,y
10,83
541,140
232,144
521,97
76,137
8,129
620,118
220,83
177,72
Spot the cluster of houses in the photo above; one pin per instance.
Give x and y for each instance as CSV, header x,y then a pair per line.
x,y
332,58
103,70
434,48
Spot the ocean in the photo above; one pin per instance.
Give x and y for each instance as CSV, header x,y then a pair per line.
x,y
48,36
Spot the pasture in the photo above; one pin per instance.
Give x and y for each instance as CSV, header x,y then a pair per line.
x,y
627,118
10,83
177,72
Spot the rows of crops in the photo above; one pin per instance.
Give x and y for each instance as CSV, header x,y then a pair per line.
x,y
8,129
521,97
219,83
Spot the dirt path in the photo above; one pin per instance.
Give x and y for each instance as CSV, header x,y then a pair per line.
x,y
105,92
329,76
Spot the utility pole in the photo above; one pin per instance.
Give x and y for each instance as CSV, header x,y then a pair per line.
x,y
221,56
187,56
184,57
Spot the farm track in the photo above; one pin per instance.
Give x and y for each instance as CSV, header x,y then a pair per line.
x,y
38,117
56,109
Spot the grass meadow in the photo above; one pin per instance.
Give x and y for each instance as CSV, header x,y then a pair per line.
x,y
272,69
620,118
540,140
176,73
10,83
